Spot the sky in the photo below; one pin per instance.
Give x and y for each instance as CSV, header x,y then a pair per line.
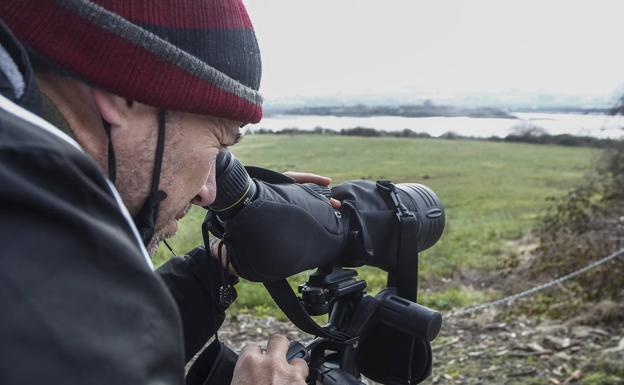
x,y
439,48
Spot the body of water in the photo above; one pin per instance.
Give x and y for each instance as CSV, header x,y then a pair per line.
x,y
600,126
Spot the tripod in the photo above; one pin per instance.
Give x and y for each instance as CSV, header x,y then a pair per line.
x,y
336,291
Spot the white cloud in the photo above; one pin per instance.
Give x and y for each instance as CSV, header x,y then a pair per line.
x,y
326,47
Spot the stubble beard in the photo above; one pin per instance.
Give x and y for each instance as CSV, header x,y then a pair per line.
x,y
152,246
164,232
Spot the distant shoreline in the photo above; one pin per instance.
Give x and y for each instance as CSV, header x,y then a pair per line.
x,y
530,136
428,111
410,111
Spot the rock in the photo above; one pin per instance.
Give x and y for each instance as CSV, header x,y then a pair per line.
x,y
551,329
581,331
587,332
577,375
534,346
616,349
524,373
561,370
498,326
563,356
557,343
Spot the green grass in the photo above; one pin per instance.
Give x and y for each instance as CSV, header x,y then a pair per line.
x,y
492,192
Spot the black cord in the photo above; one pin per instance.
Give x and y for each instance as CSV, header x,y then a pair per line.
x,y
112,163
169,247
160,149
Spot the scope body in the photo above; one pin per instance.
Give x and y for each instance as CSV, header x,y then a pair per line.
x,y
276,228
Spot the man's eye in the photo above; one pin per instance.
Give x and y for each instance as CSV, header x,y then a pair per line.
x,y
236,140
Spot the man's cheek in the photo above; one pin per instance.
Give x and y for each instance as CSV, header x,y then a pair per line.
x,y
211,182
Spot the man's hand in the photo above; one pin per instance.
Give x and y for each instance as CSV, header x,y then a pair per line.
x,y
306,177
271,368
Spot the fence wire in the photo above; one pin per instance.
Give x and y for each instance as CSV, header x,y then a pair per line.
x,y
514,297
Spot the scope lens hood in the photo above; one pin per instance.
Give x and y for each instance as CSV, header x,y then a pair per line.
x,y
376,219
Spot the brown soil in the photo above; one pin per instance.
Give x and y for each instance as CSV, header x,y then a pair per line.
x,y
485,350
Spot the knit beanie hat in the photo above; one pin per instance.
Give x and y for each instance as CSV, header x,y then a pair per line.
x,y
197,56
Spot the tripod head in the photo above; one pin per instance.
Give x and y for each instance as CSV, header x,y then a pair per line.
x,y
327,285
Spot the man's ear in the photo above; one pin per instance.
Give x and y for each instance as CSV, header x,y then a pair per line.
x,y
113,108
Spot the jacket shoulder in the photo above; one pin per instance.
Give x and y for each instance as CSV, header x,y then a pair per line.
x,y
84,305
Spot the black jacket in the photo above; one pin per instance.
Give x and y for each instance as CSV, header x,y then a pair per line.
x,y
80,303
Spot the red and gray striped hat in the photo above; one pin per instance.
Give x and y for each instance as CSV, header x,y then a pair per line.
x,y
196,56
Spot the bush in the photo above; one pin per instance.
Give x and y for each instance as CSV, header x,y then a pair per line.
x,y
450,135
360,131
586,224
527,130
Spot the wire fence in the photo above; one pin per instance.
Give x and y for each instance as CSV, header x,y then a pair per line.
x,y
534,290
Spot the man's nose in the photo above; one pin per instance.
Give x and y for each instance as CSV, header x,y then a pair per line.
x,y
204,197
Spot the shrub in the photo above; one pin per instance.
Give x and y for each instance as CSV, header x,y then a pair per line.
x,y
586,224
360,131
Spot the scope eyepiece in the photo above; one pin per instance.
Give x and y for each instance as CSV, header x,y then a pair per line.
x,y
235,189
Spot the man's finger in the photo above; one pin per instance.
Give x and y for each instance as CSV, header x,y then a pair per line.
x,y
214,251
335,203
250,349
306,177
277,346
301,365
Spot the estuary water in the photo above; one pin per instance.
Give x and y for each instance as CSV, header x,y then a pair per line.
x,y
599,126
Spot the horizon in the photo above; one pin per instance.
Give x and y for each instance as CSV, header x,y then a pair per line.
x,y
509,101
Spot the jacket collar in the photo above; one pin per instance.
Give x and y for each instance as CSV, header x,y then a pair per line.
x,y
17,78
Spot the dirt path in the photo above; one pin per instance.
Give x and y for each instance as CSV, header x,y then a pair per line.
x,y
484,350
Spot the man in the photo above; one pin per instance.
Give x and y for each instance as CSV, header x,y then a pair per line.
x,y
146,93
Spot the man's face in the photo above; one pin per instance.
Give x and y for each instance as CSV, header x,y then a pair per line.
x,y
192,143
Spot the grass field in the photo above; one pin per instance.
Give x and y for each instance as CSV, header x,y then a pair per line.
x,y
492,192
